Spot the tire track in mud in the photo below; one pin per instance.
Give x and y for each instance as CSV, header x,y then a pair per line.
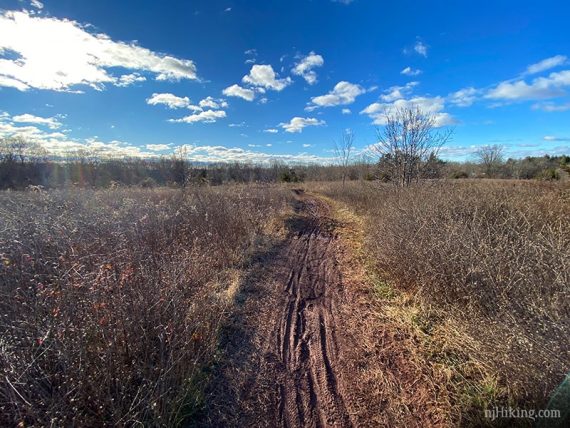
x,y
282,361
307,347
308,392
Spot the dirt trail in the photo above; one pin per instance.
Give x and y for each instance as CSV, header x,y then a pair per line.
x,y
282,358
305,337
307,347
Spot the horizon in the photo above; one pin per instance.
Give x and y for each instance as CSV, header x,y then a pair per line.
x,y
225,82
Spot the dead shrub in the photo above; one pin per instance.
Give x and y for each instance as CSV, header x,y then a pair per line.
x,y
489,258
111,300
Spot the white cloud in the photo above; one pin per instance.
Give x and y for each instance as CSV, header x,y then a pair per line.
x,y
12,83
37,4
346,111
540,88
237,125
158,147
58,144
169,100
546,64
238,91
409,71
271,131
397,92
58,54
235,154
551,107
433,106
228,9
212,103
206,116
263,76
421,48
464,97
343,93
298,123
305,67
50,122
252,56
307,145
553,138
129,79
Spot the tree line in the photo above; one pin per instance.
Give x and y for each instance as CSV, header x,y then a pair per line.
x,y
406,152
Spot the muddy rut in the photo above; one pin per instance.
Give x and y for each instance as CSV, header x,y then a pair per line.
x,y
309,346
309,393
282,357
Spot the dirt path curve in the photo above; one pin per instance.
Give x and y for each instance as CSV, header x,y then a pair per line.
x,y
282,354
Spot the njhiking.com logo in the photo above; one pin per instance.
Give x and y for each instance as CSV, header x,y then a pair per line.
x,y
514,413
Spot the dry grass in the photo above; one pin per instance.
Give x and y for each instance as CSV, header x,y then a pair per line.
x,y
480,272
111,301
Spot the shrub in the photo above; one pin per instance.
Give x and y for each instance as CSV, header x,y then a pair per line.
x,y
111,300
491,256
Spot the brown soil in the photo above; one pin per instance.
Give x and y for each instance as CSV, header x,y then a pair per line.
x,y
294,355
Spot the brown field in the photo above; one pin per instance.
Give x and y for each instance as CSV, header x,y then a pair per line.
x,y
247,305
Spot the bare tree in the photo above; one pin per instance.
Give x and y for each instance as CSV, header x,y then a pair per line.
x,y
343,152
491,158
407,144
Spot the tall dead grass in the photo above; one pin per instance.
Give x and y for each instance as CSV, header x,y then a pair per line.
x,y
488,266
110,301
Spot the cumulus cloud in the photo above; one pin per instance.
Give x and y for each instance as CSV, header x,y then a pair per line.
x,y
346,111
540,88
206,116
58,54
397,92
212,103
158,147
175,102
50,122
129,79
546,64
464,97
37,4
271,131
58,144
238,91
305,66
215,154
409,71
433,106
421,49
297,124
264,76
343,93
170,100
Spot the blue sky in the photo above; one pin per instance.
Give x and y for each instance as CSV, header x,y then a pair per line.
x,y
263,80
